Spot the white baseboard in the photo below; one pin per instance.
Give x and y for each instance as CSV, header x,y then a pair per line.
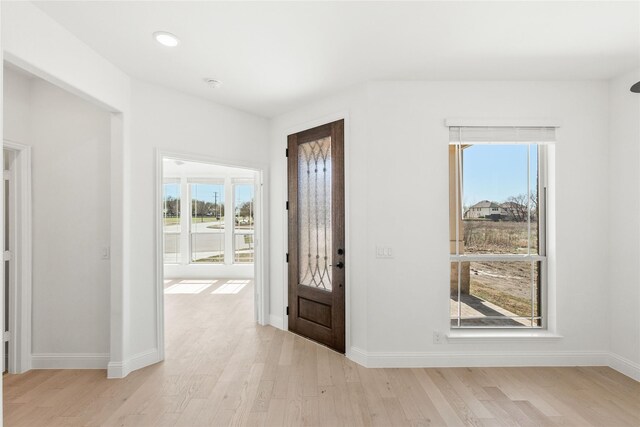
x,y
276,321
135,362
357,355
466,359
69,361
624,366
116,370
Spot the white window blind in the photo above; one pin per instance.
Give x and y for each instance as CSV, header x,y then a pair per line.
x,y
501,135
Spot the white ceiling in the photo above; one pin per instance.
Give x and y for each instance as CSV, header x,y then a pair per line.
x,y
276,56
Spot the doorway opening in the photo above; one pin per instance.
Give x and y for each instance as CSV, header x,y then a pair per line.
x,y
209,252
17,257
9,243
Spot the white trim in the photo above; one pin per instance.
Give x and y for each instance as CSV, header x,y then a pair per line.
x,y
462,122
357,355
310,124
2,313
276,321
501,336
137,361
478,359
260,267
70,360
21,289
140,360
496,257
624,366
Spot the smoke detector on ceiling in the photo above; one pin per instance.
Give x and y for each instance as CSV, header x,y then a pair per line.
x,y
212,82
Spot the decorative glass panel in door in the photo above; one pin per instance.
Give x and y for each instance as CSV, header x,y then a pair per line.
x,y
314,213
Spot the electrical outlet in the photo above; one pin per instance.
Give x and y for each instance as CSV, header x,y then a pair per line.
x,y
437,337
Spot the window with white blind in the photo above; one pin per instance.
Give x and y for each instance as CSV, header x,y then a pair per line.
x,y
497,207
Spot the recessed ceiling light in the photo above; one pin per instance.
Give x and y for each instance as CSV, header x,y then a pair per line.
x,y
166,39
213,82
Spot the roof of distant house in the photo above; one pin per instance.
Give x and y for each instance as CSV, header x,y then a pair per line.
x,y
486,204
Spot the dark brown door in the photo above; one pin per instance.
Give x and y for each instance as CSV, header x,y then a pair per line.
x,y
316,234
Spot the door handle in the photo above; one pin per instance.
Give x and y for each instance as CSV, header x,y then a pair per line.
x,y
340,264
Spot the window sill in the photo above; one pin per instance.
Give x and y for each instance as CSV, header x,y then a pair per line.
x,y
501,336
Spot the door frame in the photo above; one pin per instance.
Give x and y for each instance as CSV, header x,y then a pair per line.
x,y
329,118
21,268
261,245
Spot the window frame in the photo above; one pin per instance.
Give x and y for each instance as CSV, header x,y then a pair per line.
x,y
235,182
456,257
168,181
205,181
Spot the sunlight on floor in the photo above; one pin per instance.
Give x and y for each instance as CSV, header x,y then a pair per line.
x,y
231,287
189,287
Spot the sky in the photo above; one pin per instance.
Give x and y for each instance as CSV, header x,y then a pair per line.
x,y
496,172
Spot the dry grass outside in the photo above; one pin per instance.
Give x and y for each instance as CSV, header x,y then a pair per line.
x,y
505,284
498,237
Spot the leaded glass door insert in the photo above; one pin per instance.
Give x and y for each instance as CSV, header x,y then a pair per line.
x,y
316,234
314,213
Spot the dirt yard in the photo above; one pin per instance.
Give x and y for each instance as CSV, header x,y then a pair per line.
x,y
506,284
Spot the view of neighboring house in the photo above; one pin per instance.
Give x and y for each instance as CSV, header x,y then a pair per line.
x,y
509,211
515,211
485,209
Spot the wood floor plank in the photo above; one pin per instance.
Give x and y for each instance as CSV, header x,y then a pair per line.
x,y
221,369
445,410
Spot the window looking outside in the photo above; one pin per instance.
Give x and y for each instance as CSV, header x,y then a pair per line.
x,y
243,230
207,222
171,221
497,234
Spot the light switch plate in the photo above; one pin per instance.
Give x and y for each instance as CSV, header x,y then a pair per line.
x,y
384,252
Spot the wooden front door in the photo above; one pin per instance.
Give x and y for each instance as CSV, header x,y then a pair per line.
x,y
316,234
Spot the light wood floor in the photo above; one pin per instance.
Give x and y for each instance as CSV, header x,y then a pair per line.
x,y
221,369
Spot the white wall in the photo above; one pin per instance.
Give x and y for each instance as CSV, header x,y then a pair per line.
x,y
624,239
397,149
70,154
174,122
16,96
